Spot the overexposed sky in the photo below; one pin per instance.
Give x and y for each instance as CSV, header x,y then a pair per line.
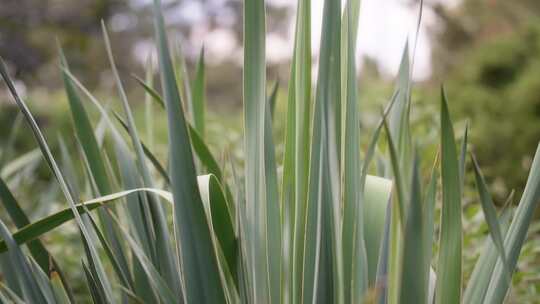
x,y
384,26
383,29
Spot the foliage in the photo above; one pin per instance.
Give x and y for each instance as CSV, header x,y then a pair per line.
x,y
487,52
323,231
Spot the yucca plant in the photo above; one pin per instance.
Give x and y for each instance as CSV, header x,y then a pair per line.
x,y
322,232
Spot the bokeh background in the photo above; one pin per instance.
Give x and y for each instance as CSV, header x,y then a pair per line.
x,y
485,52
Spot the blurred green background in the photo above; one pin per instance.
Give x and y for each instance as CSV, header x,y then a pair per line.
x,y
485,52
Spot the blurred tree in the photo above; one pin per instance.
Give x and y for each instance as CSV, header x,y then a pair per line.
x,y
488,55
28,30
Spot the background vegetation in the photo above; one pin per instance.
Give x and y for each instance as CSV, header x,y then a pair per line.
x,y
486,52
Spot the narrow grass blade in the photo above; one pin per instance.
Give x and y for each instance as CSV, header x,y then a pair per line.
x,y
430,199
273,212
151,157
46,224
272,99
30,288
148,89
374,217
515,237
463,156
217,209
194,243
323,273
199,98
148,104
379,291
97,296
354,249
182,79
490,214
9,273
288,198
20,219
92,153
254,141
483,269
60,293
399,116
225,242
157,281
167,262
413,282
449,274
397,172
139,219
297,153
36,248
92,253
199,146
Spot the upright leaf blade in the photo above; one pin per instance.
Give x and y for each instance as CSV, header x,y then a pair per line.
x,y
449,274
517,232
167,263
490,213
104,285
273,213
297,151
413,283
354,249
254,141
322,274
194,242
199,98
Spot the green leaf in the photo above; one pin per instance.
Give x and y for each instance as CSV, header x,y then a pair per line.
x,y
323,273
515,237
60,293
273,212
272,99
374,213
199,98
223,233
254,140
151,157
31,291
17,215
167,261
483,269
150,91
194,242
46,224
95,161
104,284
463,156
158,283
413,282
199,146
490,214
376,197
297,151
449,274
217,209
354,249
430,199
